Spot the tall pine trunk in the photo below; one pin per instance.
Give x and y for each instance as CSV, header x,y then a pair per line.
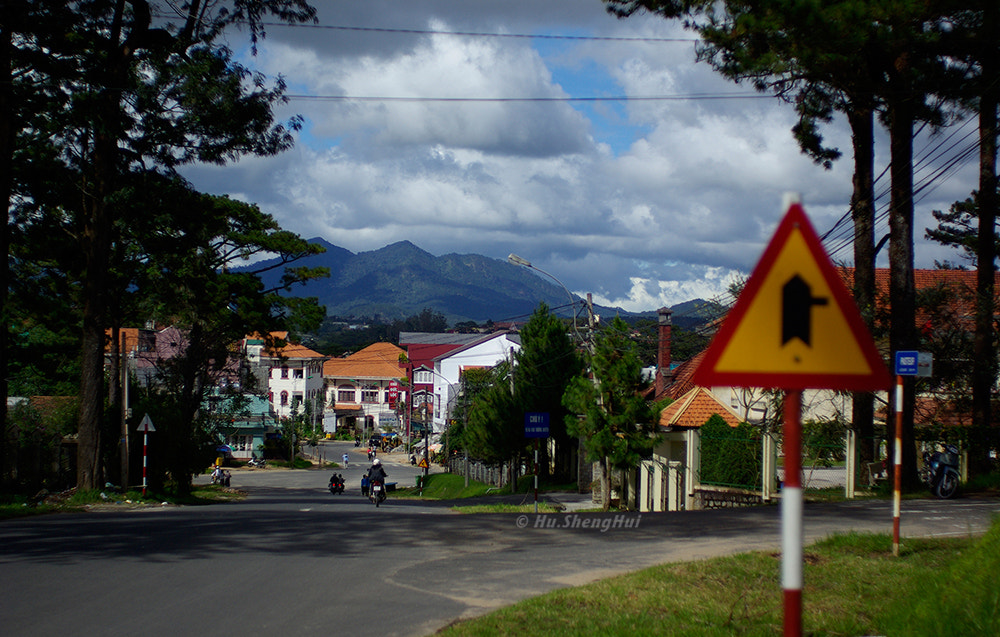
x,y
902,291
6,179
984,363
96,248
862,123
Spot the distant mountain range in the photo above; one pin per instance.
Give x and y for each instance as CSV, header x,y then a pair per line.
x,y
400,280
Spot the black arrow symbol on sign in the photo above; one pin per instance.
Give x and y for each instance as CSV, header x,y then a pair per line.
x,y
796,310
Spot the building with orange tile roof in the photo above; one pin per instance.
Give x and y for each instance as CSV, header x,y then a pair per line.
x,y
294,373
694,408
959,284
364,390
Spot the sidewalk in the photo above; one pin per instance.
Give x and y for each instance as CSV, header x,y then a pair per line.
x,y
572,501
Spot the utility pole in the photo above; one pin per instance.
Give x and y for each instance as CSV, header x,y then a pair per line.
x,y
124,414
591,323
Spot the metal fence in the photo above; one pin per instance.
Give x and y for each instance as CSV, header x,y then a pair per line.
x,y
491,474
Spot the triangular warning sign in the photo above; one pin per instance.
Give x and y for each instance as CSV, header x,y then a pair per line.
x,y
794,326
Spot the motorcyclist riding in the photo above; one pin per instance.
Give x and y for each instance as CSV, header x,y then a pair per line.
x,y
377,471
376,474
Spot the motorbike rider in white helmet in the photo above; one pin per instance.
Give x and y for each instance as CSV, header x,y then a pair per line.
x,y
377,472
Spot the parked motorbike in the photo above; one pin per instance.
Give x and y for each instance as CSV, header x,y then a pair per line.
x,y
336,484
256,463
941,471
377,491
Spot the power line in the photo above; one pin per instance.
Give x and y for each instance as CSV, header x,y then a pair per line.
x,y
605,98
958,152
471,34
478,34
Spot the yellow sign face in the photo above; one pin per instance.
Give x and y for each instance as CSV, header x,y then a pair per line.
x,y
759,344
422,464
794,326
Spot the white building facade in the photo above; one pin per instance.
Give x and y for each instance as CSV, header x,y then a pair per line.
x,y
483,353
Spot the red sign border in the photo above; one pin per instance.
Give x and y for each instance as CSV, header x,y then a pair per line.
x,y
707,376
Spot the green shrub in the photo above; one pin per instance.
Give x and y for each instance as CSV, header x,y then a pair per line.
x,y
730,456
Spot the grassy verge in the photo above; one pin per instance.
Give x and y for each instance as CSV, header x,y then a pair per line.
x,y
506,508
446,486
451,486
853,586
75,500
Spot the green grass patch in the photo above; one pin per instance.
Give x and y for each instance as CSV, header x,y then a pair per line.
x,y
526,484
299,463
75,500
988,483
446,486
853,586
543,507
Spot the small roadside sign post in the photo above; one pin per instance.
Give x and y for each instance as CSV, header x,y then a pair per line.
x,y
794,327
908,363
145,427
536,425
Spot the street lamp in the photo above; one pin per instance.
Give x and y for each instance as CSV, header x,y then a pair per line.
x,y
516,260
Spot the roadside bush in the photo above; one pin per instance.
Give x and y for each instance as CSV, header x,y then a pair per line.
x,y
730,456
823,442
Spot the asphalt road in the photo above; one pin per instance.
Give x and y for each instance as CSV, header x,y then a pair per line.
x,y
295,558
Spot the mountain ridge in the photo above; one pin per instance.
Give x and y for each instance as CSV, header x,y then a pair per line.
x,y
401,279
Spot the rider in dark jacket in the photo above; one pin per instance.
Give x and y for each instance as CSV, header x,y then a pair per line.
x,y
376,473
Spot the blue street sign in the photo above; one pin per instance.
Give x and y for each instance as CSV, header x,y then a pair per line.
x,y
907,363
536,424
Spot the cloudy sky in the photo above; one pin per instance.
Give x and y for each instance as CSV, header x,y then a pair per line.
x,y
463,142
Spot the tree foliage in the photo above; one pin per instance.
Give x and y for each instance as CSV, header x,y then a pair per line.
x,y
494,432
545,366
103,96
730,456
909,61
608,411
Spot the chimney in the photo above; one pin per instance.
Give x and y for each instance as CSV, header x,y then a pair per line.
x,y
663,376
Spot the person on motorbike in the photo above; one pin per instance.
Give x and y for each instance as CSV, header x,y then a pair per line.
x,y
376,473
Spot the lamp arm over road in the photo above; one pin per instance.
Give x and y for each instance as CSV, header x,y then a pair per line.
x,y
516,260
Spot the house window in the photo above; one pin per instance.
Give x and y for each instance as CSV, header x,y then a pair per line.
x,y
423,377
284,372
284,398
297,373
369,395
239,443
345,395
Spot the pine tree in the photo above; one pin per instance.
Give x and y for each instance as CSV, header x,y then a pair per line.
x,y
608,411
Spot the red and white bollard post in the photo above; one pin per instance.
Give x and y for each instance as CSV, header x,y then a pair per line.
x,y
791,516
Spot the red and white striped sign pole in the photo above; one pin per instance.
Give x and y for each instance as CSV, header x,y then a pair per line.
x,y
897,466
791,515
145,427
794,327
145,445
